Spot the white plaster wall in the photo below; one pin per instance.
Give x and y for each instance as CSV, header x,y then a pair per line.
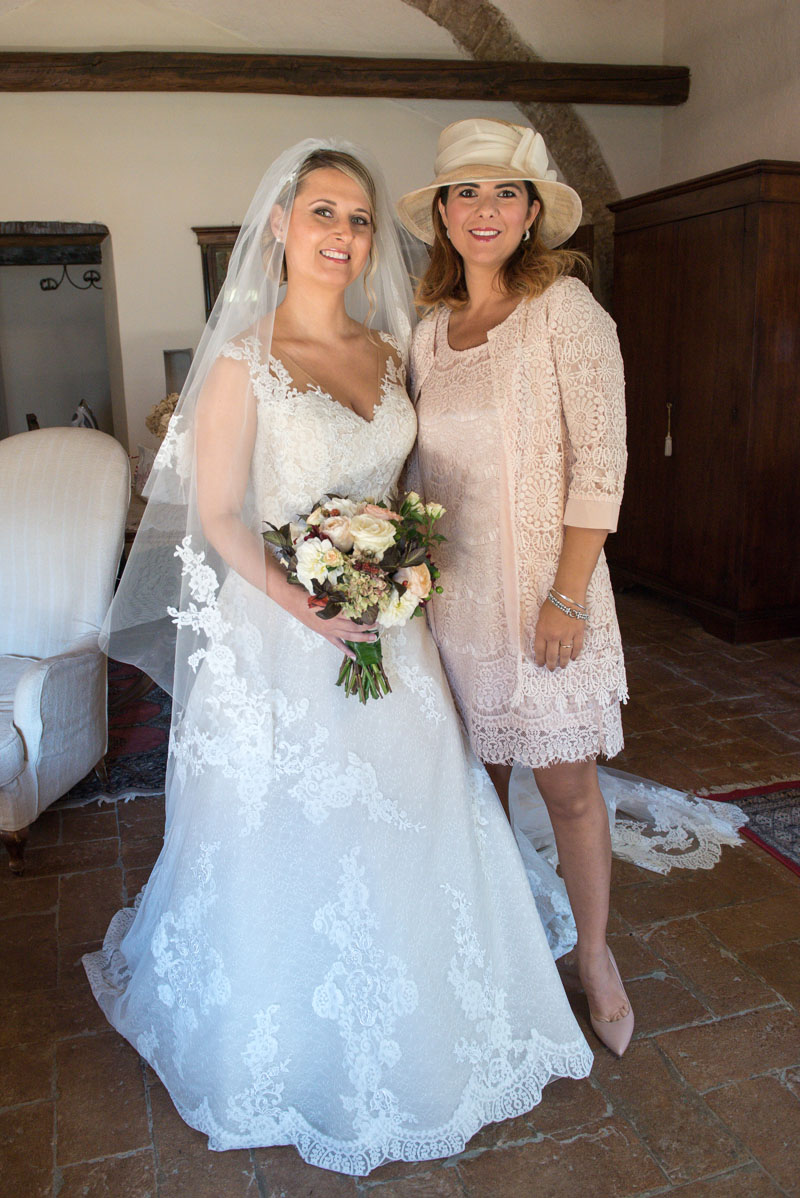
x,y
618,31
52,348
745,95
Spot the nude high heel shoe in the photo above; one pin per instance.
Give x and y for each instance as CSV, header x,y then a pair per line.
x,y
614,1033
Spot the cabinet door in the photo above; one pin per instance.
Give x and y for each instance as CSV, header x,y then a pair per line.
x,y
643,309
711,364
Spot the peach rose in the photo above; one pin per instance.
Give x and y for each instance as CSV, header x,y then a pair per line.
x,y
416,578
379,513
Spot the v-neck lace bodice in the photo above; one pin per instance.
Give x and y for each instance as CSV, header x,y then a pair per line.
x,y
308,444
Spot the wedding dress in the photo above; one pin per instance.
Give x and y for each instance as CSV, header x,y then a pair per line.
x,y
338,947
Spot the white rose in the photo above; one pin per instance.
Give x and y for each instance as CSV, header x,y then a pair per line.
x,y
316,561
435,510
338,529
372,536
397,609
345,507
416,578
414,502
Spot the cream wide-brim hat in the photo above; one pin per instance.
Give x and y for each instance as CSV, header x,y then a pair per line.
x,y
482,148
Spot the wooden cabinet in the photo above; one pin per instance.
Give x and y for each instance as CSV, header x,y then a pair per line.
x,y
707,303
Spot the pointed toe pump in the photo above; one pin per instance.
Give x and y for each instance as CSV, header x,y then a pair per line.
x,y
614,1033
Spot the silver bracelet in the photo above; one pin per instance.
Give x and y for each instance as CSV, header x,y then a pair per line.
x,y
568,611
566,599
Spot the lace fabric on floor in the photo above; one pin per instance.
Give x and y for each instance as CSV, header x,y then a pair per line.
x,y
652,826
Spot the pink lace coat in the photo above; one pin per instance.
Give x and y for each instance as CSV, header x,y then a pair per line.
x,y
557,379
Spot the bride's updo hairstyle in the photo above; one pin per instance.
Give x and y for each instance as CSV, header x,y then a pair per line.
x,y
527,272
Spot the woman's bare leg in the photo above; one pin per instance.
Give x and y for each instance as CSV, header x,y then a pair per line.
x,y
578,814
500,776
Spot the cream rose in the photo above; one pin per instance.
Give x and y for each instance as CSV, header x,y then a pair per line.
x,y
316,561
416,578
397,609
435,510
338,529
415,503
371,536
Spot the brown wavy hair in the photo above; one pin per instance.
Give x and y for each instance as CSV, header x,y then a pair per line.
x,y
527,272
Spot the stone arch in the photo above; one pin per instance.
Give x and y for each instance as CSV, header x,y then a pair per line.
x,y
484,32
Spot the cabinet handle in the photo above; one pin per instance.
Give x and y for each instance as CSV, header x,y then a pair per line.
x,y
668,438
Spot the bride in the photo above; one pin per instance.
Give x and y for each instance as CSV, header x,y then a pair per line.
x,y
338,947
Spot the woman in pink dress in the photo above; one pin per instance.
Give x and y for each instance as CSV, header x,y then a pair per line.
x,y
518,380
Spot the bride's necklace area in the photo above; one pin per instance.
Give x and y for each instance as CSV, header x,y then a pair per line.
x,y
281,354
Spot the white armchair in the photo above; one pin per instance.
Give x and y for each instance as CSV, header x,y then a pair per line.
x,y
64,493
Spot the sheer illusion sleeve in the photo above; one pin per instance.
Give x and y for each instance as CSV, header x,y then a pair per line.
x,y
226,430
590,377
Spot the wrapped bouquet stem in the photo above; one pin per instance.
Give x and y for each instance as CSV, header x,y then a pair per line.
x,y
369,562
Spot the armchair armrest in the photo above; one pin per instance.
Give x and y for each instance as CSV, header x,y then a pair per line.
x,y
60,712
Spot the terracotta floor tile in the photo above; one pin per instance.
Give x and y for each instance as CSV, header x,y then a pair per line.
x,y
671,898
115,1177
26,1150
139,854
135,880
673,1121
735,1048
72,858
140,813
76,1013
756,728
747,1182
443,1183
766,1118
213,1175
567,1102
284,1174
551,1166
493,1135
79,824
101,1105
755,925
27,1073
30,961
26,895
634,959
752,874
779,965
45,830
71,972
86,903
28,1018
719,980
662,1002
786,721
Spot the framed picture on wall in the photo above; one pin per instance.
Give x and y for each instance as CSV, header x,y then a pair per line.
x,y
216,244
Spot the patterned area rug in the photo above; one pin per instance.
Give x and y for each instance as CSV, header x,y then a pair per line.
x,y
773,811
138,736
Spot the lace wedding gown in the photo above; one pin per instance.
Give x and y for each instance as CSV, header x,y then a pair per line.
x,y
338,947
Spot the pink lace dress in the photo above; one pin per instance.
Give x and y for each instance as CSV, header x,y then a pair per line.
x,y
567,715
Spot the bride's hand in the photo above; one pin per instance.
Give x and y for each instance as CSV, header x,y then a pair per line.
x,y
294,600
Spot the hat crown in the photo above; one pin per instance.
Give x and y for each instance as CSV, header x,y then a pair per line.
x,y
485,142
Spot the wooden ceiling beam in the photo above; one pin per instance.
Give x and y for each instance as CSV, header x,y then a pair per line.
x,y
312,75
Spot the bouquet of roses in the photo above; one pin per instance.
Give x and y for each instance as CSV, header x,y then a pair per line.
x,y
370,563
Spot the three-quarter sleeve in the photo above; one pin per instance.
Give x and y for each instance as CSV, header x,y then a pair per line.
x,y
590,378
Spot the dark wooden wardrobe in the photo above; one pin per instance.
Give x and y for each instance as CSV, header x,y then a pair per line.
x,y
707,302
